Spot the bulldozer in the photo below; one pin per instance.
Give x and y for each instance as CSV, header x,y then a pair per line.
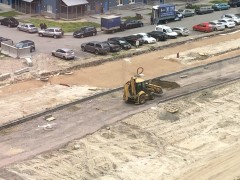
x,y
138,90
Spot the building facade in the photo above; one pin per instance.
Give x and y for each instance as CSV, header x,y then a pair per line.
x,y
8,2
67,9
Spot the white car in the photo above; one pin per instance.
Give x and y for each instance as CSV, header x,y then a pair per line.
x,y
217,26
181,31
146,38
233,17
228,23
30,28
167,30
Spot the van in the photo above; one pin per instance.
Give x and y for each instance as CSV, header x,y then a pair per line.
x,y
167,30
204,10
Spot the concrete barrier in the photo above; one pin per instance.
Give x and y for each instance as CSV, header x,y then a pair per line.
x,y
5,76
21,71
29,62
10,50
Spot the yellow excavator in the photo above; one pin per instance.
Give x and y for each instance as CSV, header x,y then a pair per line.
x,y
138,90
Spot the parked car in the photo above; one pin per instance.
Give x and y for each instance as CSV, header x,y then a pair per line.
x,y
133,39
84,32
128,24
9,22
234,3
228,23
95,47
234,17
54,32
146,38
204,27
217,26
158,35
181,31
2,39
26,44
114,47
121,41
64,53
203,10
167,30
221,6
187,12
30,28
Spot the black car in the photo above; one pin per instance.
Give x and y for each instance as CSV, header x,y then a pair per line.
x,y
234,3
95,47
114,47
132,39
128,24
121,41
9,21
25,44
2,39
158,35
84,32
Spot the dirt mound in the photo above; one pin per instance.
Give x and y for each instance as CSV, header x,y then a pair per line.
x,y
165,84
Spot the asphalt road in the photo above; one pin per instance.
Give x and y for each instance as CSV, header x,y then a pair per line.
x,y
46,44
76,121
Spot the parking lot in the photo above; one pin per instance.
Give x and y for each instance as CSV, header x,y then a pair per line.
x,y
46,45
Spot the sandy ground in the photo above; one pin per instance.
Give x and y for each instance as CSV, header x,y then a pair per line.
x,y
200,141
27,97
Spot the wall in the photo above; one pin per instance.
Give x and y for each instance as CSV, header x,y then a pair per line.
x,y
53,3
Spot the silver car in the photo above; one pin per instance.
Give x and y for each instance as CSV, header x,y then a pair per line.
x,y
181,31
217,26
30,28
54,32
64,53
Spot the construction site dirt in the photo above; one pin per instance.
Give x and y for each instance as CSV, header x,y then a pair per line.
x,y
154,143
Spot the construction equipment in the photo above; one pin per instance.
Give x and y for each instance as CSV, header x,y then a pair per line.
x,y
138,90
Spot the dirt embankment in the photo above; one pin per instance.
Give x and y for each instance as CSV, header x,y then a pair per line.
x,y
33,96
154,144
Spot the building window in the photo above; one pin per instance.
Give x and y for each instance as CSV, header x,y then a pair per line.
x,y
132,1
120,2
49,8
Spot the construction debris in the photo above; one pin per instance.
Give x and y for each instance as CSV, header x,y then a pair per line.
x,y
49,118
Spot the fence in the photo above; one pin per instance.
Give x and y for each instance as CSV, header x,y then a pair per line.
x,y
8,49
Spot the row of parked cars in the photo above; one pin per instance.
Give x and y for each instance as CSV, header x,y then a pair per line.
x,y
57,32
226,21
116,44
204,9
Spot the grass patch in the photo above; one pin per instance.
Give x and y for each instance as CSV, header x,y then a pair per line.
x,y
9,13
219,1
66,26
194,6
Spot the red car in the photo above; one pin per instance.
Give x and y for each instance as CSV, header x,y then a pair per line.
x,y
204,27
